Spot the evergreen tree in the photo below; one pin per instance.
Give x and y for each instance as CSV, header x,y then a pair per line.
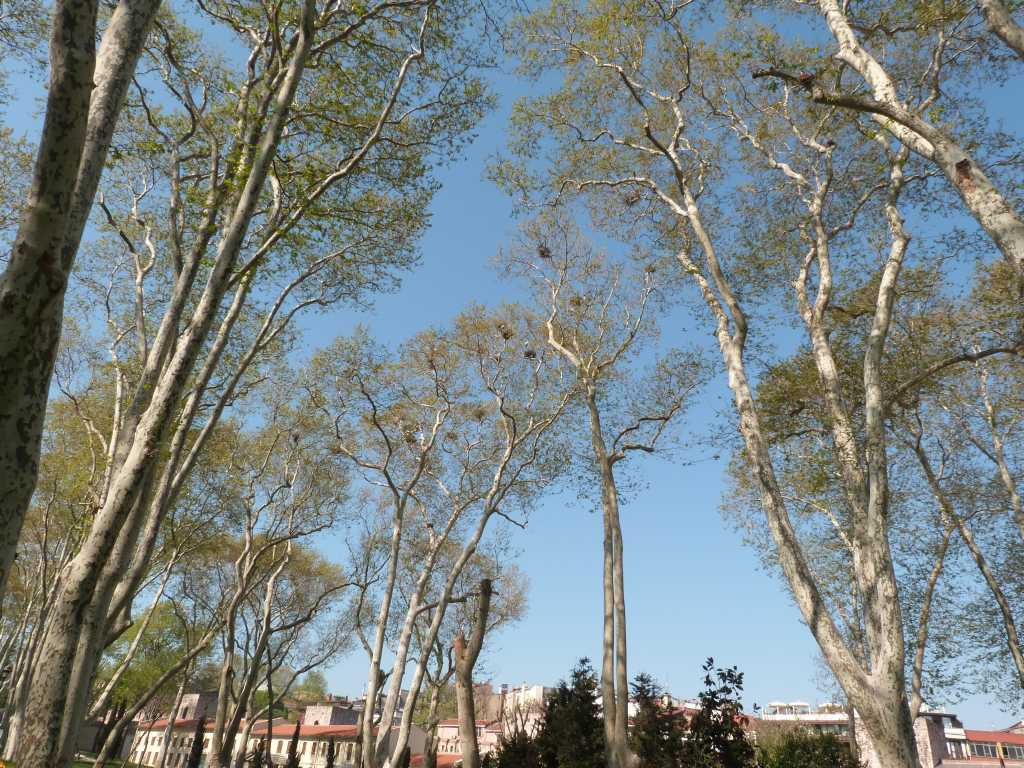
x,y
329,760
715,737
657,735
572,733
293,749
516,751
195,754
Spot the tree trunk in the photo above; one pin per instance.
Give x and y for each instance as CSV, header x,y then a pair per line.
x,y
879,695
33,284
466,655
72,152
169,729
1002,25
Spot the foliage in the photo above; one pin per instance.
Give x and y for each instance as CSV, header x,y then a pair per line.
x,y
572,733
312,689
258,756
658,732
715,734
801,748
516,751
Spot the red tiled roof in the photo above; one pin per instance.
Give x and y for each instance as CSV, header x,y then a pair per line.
x,y
287,730
993,736
159,725
443,761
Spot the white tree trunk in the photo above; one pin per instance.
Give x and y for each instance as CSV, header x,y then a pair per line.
x,y
72,152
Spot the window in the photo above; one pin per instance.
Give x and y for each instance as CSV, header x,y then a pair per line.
x,y
983,749
954,749
1013,751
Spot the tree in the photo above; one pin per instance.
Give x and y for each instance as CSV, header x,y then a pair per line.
x,y
623,143
466,655
598,319
517,750
293,749
571,734
247,226
313,687
195,752
715,733
453,431
908,114
329,759
658,733
801,748
84,99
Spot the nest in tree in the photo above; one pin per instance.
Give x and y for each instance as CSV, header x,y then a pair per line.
x,y
530,354
631,198
543,251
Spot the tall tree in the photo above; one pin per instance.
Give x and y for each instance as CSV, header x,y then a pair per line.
x,y
598,318
249,177
623,141
658,733
466,654
571,734
457,431
195,752
84,99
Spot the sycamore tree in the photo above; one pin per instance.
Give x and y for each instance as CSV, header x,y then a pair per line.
x,y
456,429
649,114
242,190
911,71
600,318
85,94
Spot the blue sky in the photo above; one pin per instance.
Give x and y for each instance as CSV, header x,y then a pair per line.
x,y
693,589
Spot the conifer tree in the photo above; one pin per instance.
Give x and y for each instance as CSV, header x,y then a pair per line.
x,y
257,758
572,733
658,733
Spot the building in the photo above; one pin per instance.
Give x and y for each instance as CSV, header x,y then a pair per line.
x,y
826,718
942,740
312,746
331,713
449,740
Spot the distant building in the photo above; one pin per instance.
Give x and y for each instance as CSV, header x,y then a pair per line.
x,y
312,747
942,740
331,713
826,718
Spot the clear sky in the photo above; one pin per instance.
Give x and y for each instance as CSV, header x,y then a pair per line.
x,y
693,589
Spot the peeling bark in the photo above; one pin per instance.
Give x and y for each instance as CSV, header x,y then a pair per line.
x,y
466,655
